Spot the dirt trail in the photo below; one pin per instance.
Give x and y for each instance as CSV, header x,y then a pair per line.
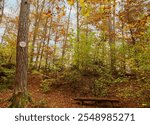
x,y
57,98
61,96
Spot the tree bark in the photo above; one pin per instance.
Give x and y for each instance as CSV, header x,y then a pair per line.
x,y
111,27
65,38
1,9
20,96
123,43
38,54
48,42
55,48
78,35
37,23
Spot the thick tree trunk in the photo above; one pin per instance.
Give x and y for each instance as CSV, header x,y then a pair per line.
x,y
20,95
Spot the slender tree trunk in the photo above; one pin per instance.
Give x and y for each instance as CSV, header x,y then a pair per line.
x,y
132,37
41,56
40,49
34,35
43,46
55,46
20,95
38,55
111,26
1,9
123,43
48,42
37,22
65,38
78,35
78,25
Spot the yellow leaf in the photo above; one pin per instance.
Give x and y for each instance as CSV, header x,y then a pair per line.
x,y
71,2
85,12
81,2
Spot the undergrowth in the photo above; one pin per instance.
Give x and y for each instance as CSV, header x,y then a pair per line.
x,y
7,76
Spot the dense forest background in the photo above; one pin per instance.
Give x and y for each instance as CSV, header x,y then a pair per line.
x,y
88,48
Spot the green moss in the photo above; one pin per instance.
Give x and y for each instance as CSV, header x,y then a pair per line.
x,y
20,100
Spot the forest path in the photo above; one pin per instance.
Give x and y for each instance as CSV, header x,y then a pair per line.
x,y
60,96
57,98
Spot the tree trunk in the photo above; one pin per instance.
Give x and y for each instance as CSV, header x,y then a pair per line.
x,y
20,96
124,54
123,43
38,54
1,9
41,56
45,30
47,45
37,23
55,47
78,35
48,42
111,27
65,38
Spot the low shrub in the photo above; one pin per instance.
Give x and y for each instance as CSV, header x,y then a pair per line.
x,y
46,85
7,77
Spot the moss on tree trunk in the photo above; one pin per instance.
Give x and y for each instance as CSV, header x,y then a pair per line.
x,y
20,100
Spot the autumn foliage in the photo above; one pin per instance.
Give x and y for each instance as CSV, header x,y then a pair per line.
x,y
100,42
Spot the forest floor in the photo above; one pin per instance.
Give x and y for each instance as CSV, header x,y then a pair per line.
x,y
62,95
